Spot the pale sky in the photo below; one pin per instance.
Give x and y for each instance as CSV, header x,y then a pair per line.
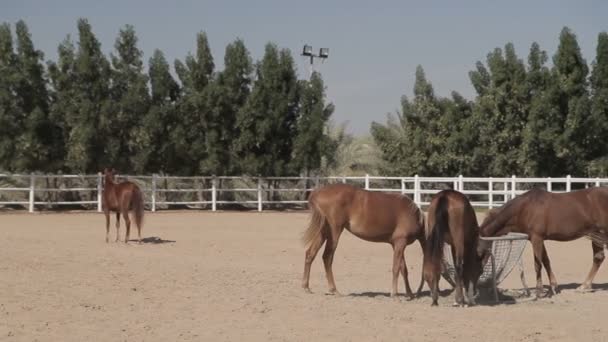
x,y
374,45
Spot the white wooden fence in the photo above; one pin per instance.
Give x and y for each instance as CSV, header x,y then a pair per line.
x,y
28,192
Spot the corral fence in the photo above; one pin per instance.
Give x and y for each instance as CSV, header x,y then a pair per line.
x,y
39,192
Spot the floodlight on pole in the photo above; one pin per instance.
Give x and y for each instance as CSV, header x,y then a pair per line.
x,y
307,52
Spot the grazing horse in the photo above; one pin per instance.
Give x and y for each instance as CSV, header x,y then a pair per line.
x,y
551,216
451,219
122,198
371,216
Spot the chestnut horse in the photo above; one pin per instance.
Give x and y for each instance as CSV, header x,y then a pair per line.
x,y
553,216
451,219
122,198
371,216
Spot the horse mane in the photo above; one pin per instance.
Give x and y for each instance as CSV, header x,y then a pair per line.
x,y
492,224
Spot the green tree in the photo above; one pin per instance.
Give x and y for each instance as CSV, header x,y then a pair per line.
x,y
188,135
500,111
226,96
130,103
570,98
62,84
154,152
34,143
598,151
11,116
267,122
412,141
312,144
87,150
537,156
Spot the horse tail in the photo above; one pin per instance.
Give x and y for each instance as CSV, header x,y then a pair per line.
x,y
435,234
138,206
317,222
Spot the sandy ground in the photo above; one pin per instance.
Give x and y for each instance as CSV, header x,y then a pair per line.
x,y
236,276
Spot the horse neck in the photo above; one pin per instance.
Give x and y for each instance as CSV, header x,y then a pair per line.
x,y
108,183
503,216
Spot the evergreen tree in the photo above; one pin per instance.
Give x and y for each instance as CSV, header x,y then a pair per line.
x,y
570,98
500,111
537,155
412,142
62,79
130,102
267,122
312,143
34,144
154,152
598,151
87,150
188,135
11,117
225,98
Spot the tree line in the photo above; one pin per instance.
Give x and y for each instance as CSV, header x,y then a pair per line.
x,y
528,118
86,111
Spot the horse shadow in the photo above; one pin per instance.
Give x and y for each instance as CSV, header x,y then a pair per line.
x,y
153,240
574,286
372,294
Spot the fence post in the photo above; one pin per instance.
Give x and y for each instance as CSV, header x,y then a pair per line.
x,y
597,181
99,190
549,184
490,194
343,179
568,184
460,183
259,194
402,186
32,185
513,185
153,192
213,195
416,190
366,181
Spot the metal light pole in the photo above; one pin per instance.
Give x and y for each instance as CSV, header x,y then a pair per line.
x,y
307,52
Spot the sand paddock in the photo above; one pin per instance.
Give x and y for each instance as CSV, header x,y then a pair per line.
x,y
236,276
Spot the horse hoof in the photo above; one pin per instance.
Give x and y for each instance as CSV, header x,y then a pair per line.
x,y
334,293
584,288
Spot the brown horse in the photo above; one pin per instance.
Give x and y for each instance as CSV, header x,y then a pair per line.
x,y
122,198
451,219
551,216
371,216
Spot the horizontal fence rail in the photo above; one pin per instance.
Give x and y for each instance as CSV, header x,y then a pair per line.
x,y
166,192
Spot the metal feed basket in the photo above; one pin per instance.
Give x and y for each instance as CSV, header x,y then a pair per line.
x,y
505,253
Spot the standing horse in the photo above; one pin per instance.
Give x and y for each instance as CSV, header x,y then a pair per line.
x,y
549,216
451,219
122,198
371,216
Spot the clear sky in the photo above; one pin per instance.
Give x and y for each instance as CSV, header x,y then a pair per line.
x,y
374,45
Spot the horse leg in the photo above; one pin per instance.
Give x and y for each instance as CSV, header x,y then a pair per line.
x,y
458,266
328,256
107,215
117,225
547,265
598,258
398,262
537,248
125,214
403,270
311,253
419,291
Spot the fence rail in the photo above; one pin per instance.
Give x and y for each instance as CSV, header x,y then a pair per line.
x,y
51,191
